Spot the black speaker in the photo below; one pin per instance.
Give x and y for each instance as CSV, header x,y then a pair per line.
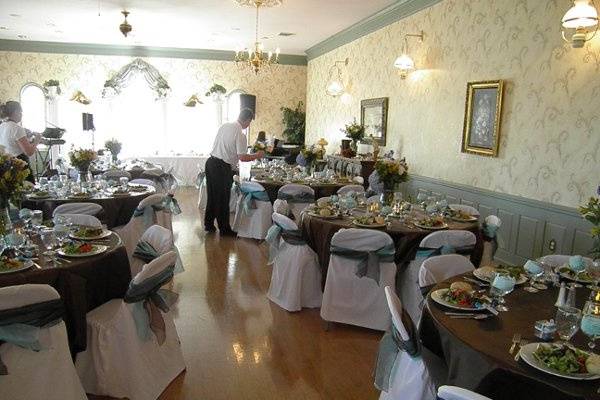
x,y
248,101
88,122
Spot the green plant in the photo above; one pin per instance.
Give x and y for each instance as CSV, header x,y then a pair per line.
x,y
114,146
354,131
591,212
294,121
53,83
216,88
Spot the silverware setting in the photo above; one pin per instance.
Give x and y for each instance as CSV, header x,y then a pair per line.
x,y
476,282
515,341
475,316
522,343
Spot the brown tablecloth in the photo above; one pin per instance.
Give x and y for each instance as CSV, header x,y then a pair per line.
x,y
117,210
476,352
321,190
83,284
319,231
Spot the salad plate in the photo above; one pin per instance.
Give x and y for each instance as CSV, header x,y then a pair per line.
x,y
79,249
10,265
39,195
458,299
560,360
470,218
138,188
567,273
369,222
431,227
486,274
90,233
368,225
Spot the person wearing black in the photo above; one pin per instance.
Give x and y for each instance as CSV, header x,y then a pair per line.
x,y
229,148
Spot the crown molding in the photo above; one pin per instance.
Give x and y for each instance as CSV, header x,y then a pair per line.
x,y
389,15
133,51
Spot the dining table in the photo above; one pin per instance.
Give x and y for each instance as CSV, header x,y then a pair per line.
x,y
83,283
476,352
322,189
118,209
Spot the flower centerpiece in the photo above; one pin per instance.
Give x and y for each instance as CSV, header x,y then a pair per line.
x,y
591,212
390,173
307,157
216,91
82,159
114,146
355,132
259,146
13,172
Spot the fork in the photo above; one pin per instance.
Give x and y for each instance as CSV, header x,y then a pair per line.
x,y
515,340
522,343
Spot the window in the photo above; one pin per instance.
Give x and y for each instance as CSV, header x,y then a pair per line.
x,y
233,105
33,102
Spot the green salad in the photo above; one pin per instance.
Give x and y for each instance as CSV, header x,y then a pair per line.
x,y
514,271
562,358
582,276
86,232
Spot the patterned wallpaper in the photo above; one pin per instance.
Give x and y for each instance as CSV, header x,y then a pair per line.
x,y
550,137
285,86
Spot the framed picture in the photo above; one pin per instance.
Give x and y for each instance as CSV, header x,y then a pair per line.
x,y
373,116
483,113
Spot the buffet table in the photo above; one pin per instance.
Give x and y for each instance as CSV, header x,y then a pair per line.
x,y
184,168
476,352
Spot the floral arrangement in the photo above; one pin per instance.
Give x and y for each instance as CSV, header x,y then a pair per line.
x,y
307,156
114,146
391,172
13,172
82,158
216,88
354,131
259,146
591,212
53,83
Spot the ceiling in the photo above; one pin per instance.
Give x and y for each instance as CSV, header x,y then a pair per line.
x,y
194,24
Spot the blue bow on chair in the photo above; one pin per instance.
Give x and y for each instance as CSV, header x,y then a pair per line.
x,y
277,232
368,260
250,196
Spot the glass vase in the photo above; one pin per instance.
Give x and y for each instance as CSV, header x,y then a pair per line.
x,y
5,223
354,146
84,176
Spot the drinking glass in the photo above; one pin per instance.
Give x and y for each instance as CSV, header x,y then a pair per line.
x,y
37,217
123,181
50,243
43,182
593,271
442,204
2,245
421,198
590,322
567,322
534,270
15,240
431,205
61,232
502,285
25,214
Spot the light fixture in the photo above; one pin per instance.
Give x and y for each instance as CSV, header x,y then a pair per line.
x,y
80,98
322,143
405,63
255,57
335,84
125,28
582,17
193,101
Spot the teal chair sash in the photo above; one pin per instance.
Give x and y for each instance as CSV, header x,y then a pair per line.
x,y
369,260
250,196
146,252
277,232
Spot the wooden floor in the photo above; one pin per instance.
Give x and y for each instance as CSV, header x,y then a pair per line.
x,y
239,345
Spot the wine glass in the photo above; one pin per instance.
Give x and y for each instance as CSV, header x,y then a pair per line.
x,y
534,270
37,217
15,240
50,243
2,245
567,322
502,285
590,322
61,232
25,215
421,198
431,207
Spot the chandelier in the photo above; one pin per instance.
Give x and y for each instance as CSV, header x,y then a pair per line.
x,y
255,57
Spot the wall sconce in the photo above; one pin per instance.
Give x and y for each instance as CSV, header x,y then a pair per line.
x,y
335,85
405,63
80,98
193,101
582,17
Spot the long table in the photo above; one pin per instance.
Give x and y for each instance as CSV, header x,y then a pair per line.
x,y
184,168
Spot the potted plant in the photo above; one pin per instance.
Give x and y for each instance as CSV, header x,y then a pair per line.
x,y
216,91
355,132
591,212
294,121
13,172
114,146
52,87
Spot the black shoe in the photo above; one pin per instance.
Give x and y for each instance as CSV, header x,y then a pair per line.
x,y
227,232
210,229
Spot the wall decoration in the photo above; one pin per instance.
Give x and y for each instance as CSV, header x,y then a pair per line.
x,y
483,114
122,79
373,116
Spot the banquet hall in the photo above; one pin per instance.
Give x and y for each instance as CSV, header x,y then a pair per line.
x,y
299,199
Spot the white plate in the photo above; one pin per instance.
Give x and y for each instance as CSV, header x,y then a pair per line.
x,y
368,225
122,194
322,216
526,354
96,249
522,279
572,278
105,233
35,197
431,228
436,296
472,219
26,265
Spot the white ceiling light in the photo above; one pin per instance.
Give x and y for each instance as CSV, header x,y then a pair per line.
x,y
335,84
581,17
405,63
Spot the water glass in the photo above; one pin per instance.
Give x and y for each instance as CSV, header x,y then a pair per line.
x,y
37,217
15,240
590,322
567,322
534,270
25,215
502,285
123,181
50,243
421,198
61,232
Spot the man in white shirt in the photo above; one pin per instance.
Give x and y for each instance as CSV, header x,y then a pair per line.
x,y
229,148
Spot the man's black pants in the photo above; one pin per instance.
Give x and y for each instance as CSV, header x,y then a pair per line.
x,y
219,178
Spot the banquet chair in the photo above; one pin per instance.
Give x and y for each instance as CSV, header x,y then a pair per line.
x,y
405,376
440,268
141,181
359,179
154,242
373,199
456,393
296,277
350,189
116,174
436,243
252,212
83,220
78,208
126,356
323,200
465,208
298,197
361,264
558,260
42,368
281,207
233,198
490,227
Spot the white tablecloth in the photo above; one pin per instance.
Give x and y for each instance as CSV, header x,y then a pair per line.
x,y
184,168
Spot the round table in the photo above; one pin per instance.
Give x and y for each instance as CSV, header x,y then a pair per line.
x,y
407,237
117,209
321,189
476,352
83,284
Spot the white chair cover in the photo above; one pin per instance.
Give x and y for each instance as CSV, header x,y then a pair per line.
x,y
558,260
256,222
410,378
352,300
47,374
439,268
281,207
202,196
463,207
454,238
293,189
296,277
116,174
117,362
456,393
160,238
350,188
84,220
78,208
142,181
323,200
359,179
373,199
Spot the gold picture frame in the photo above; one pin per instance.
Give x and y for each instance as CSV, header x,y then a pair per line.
x,y
483,116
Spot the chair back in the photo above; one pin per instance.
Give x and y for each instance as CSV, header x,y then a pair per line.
x,y
296,193
359,179
251,186
465,208
438,268
160,238
281,207
155,267
373,199
344,190
84,220
78,208
558,260
116,174
25,295
454,238
323,200
151,200
361,239
284,222
456,393
395,306
142,181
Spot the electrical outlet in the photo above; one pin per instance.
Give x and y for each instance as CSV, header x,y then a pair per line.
x,y
552,245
